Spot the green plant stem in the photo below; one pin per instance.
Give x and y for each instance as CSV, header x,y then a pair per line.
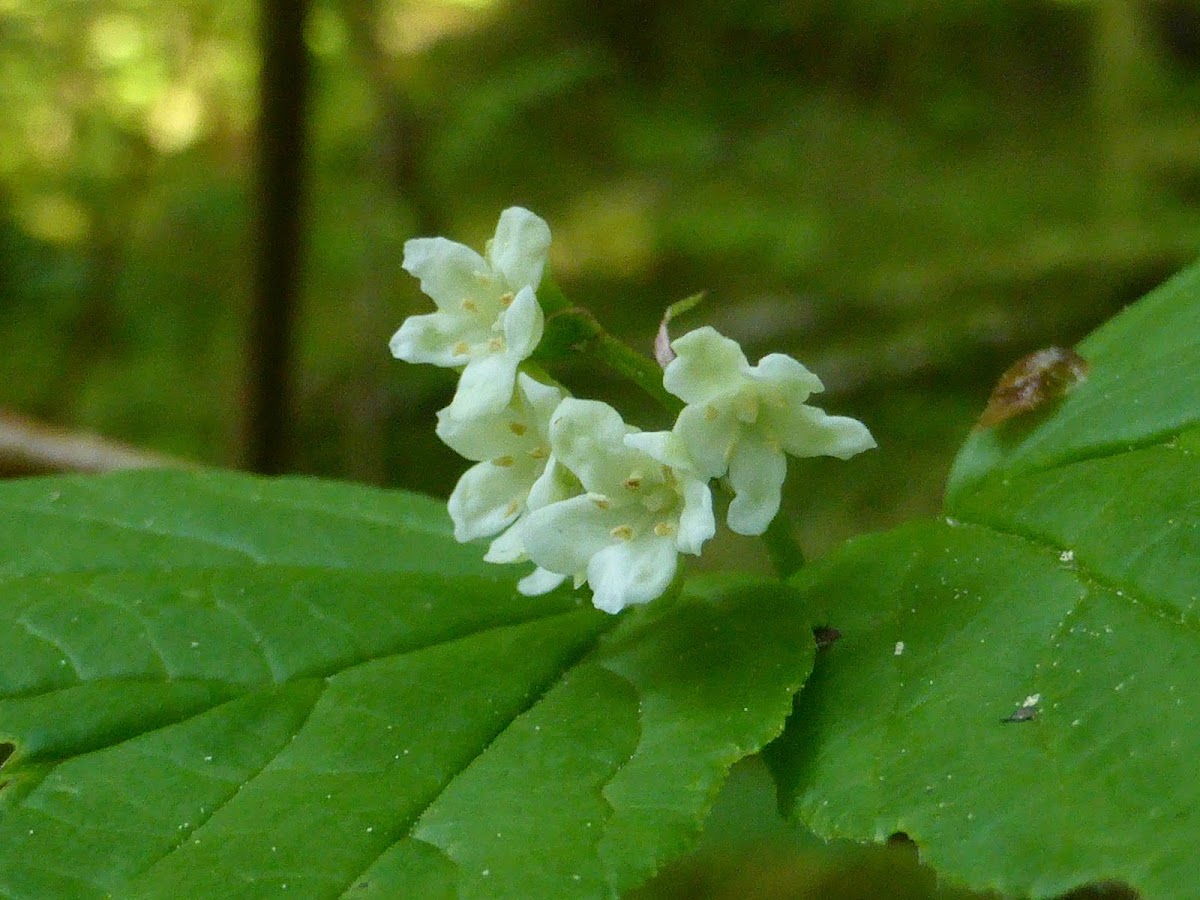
x,y
638,368
786,556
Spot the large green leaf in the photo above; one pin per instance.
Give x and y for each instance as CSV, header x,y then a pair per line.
x,y
220,686
1066,576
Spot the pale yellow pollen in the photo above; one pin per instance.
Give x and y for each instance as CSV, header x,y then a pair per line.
x,y
518,428
484,277
470,305
502,461
664,529
506,299
710,413
624,532
601,502
461,349
511,509
633,482
539,453
496,344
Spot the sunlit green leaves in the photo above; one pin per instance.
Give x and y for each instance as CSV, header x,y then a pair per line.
x,y
221,686
1065,581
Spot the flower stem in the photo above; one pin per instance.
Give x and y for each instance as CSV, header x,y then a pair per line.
x,y
573,327
640,369
786,556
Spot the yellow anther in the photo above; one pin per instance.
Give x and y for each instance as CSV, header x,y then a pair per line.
x,y
496,344
539,452
502,461
633,482
461,349
601,502
710,413
624,532
506,299
512,508
470,305
484,277
518,428
664,529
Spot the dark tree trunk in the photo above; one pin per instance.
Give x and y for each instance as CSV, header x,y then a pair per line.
x,y
283,87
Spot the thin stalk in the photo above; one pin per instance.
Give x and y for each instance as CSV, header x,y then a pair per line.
x,y
786,556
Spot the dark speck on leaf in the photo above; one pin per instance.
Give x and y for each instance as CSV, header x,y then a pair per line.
x,y
825,635
1022,714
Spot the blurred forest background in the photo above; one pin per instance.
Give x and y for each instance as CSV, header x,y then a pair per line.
x,y
906,196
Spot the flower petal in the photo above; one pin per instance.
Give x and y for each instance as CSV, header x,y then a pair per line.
x,y
486,386
481,437
487,499
554,484
707,364
631,572
662,446
808,431
509,547
756,473
709,431
523,324
696,521
518,429
587,436
563,536
788,379
542,400
539,581
518,251
449,271
430,338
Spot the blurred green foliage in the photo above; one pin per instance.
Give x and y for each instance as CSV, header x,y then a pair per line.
x,y
906,196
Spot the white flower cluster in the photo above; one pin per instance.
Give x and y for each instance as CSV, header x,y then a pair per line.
x,y
565,483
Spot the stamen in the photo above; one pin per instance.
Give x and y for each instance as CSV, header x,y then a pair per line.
x,y
502,461
664,529
470,305
461,348
506,299
624,532
518,428
633,482
484,277
539,452
496,344
710,413
601,502
511,509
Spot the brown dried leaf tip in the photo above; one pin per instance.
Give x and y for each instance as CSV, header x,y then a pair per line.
x,y
1032,382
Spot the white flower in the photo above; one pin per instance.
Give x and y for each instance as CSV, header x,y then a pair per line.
x,y
642,507
512,449
740,420
488,319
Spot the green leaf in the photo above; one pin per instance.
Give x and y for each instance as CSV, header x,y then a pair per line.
x,y
1064,583
222,686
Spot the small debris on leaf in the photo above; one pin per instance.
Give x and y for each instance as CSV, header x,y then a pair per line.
x,y
1032,382
825,636
1027,711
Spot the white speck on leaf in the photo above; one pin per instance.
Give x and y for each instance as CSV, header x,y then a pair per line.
x,y
899,648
